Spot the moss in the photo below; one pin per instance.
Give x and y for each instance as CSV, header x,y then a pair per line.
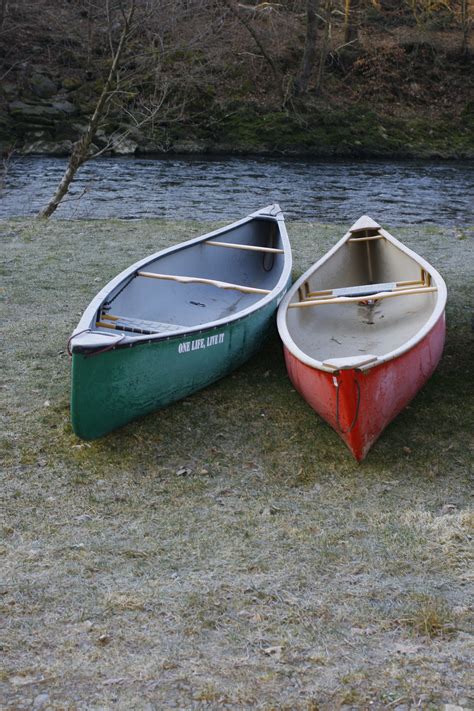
x,y
324,133
313,130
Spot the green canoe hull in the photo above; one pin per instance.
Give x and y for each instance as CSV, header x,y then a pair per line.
x,y
109,389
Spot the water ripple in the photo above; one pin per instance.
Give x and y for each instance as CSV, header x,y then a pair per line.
x,y
225,188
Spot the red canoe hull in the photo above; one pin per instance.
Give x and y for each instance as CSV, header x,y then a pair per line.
x,y
360,404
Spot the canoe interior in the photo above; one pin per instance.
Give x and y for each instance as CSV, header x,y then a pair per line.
x,y
349,330
183,305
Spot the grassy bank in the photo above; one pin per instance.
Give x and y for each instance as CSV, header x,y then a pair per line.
x,y
228,551
326,132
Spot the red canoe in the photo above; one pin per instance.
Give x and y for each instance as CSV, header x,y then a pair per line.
x,y
363,329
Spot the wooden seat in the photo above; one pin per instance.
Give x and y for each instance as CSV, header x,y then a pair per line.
x,y
364,289
366,292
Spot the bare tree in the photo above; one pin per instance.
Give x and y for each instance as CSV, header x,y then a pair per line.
x,y
234,8
309,55
326,17
82,148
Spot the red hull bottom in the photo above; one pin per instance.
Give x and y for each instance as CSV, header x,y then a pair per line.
x,y
360,404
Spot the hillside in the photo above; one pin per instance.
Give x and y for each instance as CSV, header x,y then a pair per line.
x,y
390,79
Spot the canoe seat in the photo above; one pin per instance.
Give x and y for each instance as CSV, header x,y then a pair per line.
x,y
364,289
136,325
351,294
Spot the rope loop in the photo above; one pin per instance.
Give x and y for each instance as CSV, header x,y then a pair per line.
x,y
98,352
68,347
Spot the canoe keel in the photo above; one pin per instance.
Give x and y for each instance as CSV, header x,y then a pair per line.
x,y
360,404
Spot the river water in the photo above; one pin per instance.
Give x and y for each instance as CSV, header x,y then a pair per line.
x,y
198,188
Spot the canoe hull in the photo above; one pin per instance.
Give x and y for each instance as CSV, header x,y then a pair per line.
x,y
176,321
112,388
360,404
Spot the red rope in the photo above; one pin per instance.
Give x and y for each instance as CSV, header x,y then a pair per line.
x,y
94,353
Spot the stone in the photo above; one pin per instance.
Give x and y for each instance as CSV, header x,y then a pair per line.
x,y
124,146
8,89
42,86
71,83
40,701
189,146
67,107
52,148
39,113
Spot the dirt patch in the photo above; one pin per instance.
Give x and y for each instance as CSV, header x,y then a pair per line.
x,y
226,552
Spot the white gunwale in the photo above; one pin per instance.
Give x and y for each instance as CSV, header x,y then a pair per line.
x,y
86,326
292,295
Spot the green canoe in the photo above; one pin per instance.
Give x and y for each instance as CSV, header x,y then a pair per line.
x,y
177,321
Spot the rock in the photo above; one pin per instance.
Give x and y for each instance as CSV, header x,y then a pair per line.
x,y
190,147
37,113
274,652
52,148
71,83
40,701
66,107
9,90
124,146
448,509
42,86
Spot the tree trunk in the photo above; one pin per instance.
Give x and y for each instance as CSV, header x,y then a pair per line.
x,y
324,46
251,30
3,12
309,55
80,153
351,30
465,26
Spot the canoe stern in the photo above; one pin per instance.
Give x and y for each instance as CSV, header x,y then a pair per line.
x,y
359,404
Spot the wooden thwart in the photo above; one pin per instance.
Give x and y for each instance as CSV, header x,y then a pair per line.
x,y
365,239
249,247
370,297
201,280
365,290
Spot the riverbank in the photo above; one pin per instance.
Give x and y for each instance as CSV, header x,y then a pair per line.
x,y
316,132
325,132
226,78
227,551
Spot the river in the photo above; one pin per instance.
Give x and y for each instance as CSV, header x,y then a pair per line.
x,y
223,188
